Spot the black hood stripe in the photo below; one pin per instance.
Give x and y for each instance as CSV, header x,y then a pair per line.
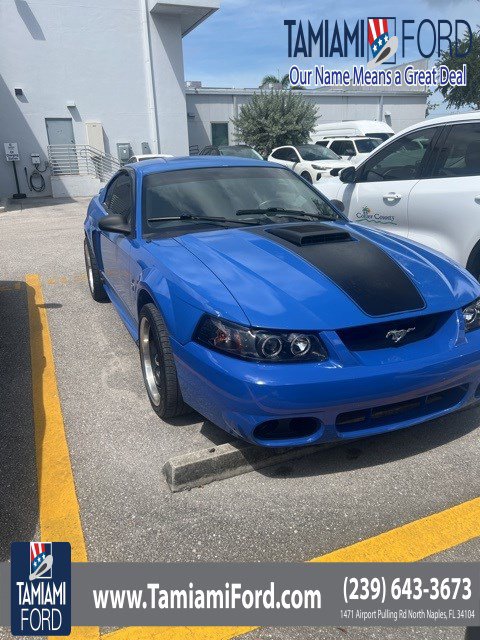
x,y
372,279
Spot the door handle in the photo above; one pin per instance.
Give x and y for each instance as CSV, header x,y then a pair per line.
x,y
477,199
392,197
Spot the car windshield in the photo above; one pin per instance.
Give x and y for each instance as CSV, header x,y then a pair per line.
x,y
367,145
241,152
381,136
316,152
262,195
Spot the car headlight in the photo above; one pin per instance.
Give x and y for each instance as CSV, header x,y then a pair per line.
x,y
471,315
261,345
319,167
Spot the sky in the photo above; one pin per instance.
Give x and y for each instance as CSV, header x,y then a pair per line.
x,y
246,39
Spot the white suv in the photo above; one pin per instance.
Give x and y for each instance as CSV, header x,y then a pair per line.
x,y
353,149
308,160
423,184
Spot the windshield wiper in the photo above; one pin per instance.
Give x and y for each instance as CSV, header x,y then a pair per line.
x,y
280,211
192,216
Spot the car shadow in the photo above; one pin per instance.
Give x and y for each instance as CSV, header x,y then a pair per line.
x,y
354,454
381,449
18,473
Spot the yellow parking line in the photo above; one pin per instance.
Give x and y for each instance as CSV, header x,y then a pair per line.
x,y
413,541
59,513
416,540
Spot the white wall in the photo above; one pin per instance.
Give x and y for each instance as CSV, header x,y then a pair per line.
x,y
405,109
97,54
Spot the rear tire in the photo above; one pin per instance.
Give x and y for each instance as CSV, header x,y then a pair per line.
x,y
306,176
158,366
95,283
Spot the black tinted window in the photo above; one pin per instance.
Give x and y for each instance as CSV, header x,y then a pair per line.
x,y
222,191
119,200
286,154
343,147
401,160
460,154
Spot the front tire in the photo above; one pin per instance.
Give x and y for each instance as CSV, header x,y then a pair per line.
x,y
95,283
158,366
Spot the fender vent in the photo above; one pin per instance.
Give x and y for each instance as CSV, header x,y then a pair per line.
x,y
310,234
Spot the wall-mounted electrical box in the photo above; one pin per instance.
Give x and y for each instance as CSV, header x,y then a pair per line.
x,y
124,151
146,147
35,158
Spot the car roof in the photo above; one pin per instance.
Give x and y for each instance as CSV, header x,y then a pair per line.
x,y
196,162
460,117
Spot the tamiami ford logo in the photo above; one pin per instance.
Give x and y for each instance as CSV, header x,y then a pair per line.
x,y
40,589
377,42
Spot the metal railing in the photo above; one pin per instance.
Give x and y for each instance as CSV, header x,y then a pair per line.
x,y
81,160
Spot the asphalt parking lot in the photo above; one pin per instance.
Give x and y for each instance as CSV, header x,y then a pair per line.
x,y
295,511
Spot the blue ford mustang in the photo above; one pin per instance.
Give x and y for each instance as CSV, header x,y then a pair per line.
x,y
256,303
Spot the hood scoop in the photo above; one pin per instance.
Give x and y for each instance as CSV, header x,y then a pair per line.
x,y
310,234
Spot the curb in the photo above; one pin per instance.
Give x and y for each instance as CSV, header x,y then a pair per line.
x,y
225,461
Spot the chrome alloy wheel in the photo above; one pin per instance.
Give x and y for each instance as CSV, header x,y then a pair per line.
x,y
88,263
151,363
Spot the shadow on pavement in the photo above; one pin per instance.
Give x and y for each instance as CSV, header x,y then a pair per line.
x,y
18,474
381,449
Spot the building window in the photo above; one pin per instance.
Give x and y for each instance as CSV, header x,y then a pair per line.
x,y
219,134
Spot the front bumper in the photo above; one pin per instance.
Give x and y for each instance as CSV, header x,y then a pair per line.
x,y
239,396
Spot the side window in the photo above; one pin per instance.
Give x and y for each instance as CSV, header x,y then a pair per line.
x,y
322,143
119,198
400,160
338,146
286,153
459,156
349,148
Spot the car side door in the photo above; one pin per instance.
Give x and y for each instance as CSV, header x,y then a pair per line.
x,y
379,196
115,247
444,207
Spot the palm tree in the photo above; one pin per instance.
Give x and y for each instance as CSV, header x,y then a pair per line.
x,y
272,79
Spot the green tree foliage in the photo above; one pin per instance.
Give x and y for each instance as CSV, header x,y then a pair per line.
x,y
470,95
272,119
271,79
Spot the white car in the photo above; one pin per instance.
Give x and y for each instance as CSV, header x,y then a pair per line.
x,y
310,161
148,156
423,184
353,149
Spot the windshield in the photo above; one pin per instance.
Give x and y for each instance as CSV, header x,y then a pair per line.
x,y
221,192
382,136
316,152
241,152
367,145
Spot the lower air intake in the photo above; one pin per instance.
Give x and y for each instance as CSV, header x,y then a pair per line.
x,y
390,414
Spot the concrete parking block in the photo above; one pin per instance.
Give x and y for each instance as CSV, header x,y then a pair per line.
x,y
201,467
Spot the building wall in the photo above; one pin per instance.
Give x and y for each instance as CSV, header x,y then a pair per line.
x,y
96,54
204,107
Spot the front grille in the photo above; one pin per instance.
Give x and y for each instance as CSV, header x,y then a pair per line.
x,y
388,414
374,336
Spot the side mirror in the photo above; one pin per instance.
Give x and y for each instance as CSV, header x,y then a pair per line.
x,y
338,204
114,224
348,175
